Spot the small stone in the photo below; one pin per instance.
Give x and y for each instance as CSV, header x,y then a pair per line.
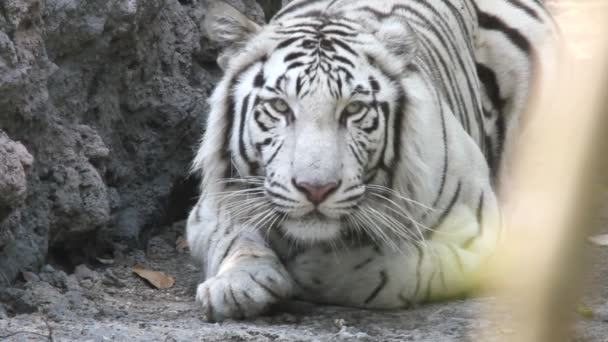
x,y
58,279
339,323
82,272
47,268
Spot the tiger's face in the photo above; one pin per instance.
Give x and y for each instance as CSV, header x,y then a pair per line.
x,y
310,113
313,122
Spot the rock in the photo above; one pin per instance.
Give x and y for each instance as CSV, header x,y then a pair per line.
x,y
21,301
14,161
109,97
82,272
47,268
58,279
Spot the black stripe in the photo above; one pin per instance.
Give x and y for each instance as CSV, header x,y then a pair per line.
x,y
406,302
397,132
351,188
445,158
488,79
374,126
253,166
279,185
229,115
344,60
492,90
294,7
299,84
490,22
344,46
418,266
339,33
261,125
294,65
288,42
266,288
455,52
259,79
373,83
274,154
381,285
450,205
530,11
352,149
297,31
347,73
230,245
480,210
454,94
480,222
362,264
293,55
236,302
279,196
349,199
264,143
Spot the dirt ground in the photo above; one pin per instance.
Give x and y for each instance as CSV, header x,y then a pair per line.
x,y
110,303
107,302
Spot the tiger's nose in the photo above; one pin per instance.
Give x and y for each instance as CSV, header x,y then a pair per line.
x,y
316,193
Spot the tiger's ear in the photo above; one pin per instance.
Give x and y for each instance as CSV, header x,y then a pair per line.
x,y
398,37
228,26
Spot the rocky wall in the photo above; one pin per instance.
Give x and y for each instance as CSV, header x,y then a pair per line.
x,y
101,106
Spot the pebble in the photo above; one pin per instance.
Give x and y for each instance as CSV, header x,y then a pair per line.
x,y
82,272
47,268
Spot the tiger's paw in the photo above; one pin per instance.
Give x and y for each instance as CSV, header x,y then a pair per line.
x,y
241,294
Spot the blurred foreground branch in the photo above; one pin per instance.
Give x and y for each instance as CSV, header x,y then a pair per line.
x,y
552,204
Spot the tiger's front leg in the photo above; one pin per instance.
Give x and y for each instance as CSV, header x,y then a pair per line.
x,y
243,276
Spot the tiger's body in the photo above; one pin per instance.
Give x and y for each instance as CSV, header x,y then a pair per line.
x,y
352,149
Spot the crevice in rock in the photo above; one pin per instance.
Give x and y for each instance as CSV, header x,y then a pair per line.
x,y
182,198
83,249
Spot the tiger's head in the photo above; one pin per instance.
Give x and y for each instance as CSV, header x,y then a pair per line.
x,y
310,111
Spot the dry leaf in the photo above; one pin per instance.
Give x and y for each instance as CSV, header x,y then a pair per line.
x,y
181,244
160,280
599,240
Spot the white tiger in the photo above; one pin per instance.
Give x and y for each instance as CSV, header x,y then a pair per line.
x,y
352,148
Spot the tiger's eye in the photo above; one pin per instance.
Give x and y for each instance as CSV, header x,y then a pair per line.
x,y
280,105
354,107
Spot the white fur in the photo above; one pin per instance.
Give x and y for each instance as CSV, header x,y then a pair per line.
x,y
254,261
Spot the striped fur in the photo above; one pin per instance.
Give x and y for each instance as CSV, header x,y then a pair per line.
x,y
400,111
